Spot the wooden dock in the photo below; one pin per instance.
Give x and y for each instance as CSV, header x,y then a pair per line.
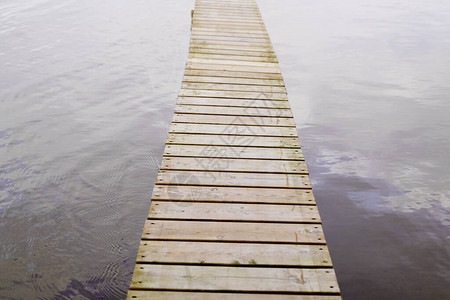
x,y
232,213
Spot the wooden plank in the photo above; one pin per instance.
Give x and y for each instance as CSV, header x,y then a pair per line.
x,y
226,7
209,14
233,102
233,152
233,94
236,68
230,33
227,4
233,111
220,6
231,80
209,32
234,212
234,4
230,46
259,54
163,295
234,57
233,232
232,129
225,178
233,253
233,74
250,11
242,14
250,40
226,25
258,41
267,90
237,120
201,278
248,31
231,20
186,194
232,140
236,14
232,62
233,165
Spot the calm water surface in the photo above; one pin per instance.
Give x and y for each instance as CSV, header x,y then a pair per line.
x,y
87,91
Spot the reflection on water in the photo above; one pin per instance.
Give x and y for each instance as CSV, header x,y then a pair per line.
x,y
368,83
87,92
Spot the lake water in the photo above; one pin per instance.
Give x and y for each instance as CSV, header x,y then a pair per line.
x,y
87,91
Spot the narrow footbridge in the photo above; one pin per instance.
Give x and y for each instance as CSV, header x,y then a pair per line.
x,y
232,213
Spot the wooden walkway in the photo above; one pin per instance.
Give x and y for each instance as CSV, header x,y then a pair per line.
x,y
232,214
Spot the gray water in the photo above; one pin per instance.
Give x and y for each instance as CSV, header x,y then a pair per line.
x,y
87,91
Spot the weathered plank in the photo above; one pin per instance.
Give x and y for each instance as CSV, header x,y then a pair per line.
x,y
232,129
230,33
233,165
220,140
235,57
232,40
234,87
230,61
233,111
227,26
235,11
203,278
233,74
233,253
250,40
205,34
205,12
234,212
185,295
233,102
208,14
225,178
233,152
230,119
212,51
231,80
184,193
229,22
261,95
230,46
238,68
233,232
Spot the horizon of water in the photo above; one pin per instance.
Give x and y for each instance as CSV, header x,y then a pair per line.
x,y
87,93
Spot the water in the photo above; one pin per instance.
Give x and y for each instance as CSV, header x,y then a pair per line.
x,y
87,93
